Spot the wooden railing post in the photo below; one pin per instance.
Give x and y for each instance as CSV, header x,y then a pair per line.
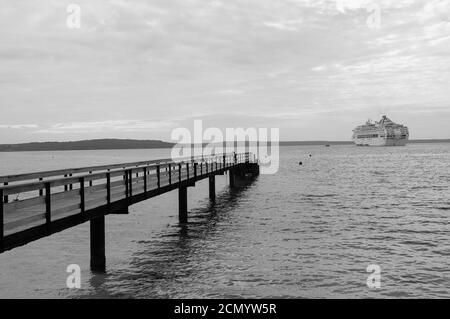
x,y
195,171
108,190
2,232
126,183
187,171
158,173
48,207
82,198
170,174
145,179
5,198
130,181
179,173
41,191
90,182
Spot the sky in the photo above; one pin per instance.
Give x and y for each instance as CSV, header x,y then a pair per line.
x,y
315,69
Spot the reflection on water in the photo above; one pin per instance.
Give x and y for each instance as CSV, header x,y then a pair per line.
x,y
162,259
307,231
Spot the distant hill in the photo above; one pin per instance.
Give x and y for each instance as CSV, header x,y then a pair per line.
x,y
113,144
99,144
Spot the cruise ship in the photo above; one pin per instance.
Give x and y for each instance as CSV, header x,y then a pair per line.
x,y
382,133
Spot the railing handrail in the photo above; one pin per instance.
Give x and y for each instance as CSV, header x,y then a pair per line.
x,y
99,171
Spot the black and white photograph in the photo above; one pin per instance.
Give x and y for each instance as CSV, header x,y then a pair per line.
x,y
224,155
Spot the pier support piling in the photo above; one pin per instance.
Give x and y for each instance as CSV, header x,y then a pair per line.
x,y
212,188
232,177
98,259
182,205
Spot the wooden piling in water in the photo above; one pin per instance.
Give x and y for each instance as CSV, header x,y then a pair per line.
x,y
98,257
232,177
212,188
182,205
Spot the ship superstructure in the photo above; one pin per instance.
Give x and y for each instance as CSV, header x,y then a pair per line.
x,y
382,133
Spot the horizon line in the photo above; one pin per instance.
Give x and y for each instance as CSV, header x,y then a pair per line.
x,y
226,141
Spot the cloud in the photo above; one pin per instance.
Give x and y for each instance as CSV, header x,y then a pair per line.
x,y
319,68
18,126
107,126
230,92
434,10
286,25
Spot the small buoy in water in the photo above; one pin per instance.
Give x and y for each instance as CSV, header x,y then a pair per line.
x,y
300,163
310,155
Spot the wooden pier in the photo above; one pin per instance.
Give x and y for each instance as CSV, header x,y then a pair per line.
x,y
36,205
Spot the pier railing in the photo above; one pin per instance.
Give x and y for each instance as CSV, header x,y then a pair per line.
x,y
6,180
37,204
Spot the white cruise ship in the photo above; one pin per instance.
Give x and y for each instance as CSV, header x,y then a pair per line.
x,y
382,133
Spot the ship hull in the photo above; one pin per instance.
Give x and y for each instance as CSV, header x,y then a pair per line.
x,y
380,142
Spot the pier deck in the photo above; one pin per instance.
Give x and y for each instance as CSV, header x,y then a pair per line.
x,y
39,204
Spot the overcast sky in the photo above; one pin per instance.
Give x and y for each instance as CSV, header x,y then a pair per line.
x,y
138,69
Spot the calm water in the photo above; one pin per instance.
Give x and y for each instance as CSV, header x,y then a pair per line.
x,y
308,231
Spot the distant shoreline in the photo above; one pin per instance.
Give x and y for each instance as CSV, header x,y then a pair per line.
x,y
300,143
116,144
86,145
